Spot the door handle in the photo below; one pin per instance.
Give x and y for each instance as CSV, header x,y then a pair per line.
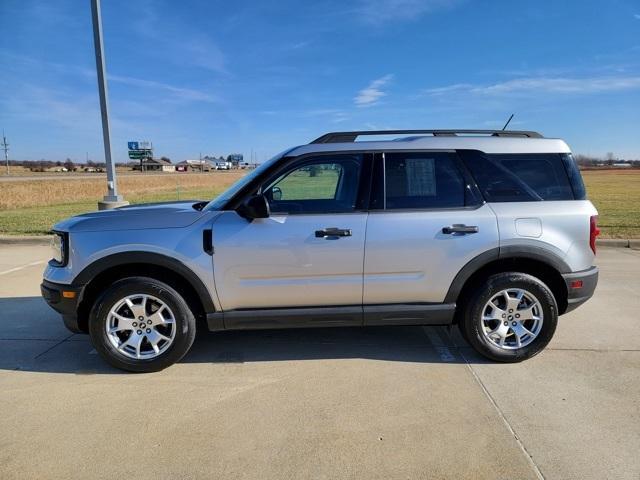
x,y
459,228
333,232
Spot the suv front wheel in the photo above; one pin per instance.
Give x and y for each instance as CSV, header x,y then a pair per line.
x,y
140,324
510,318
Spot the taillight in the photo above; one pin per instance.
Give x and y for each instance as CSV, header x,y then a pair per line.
x,y
594,231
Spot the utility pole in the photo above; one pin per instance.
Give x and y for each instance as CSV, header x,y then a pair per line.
x,y
112,199
5,147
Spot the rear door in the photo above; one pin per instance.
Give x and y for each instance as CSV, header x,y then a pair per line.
x,y
426,222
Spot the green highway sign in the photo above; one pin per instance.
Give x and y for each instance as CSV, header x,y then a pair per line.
x,y
138,154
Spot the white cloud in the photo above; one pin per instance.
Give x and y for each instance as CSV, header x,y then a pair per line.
x,y
456,87
177,41
298,45
179,92
378,12
340,117
53,107
370,95
549,85
200,52
322,111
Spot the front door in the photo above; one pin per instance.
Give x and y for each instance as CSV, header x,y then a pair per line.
x,y
308,253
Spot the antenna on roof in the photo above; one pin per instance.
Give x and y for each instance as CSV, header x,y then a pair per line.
x,y
508,121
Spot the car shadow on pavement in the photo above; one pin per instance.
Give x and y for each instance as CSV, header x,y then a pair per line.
x,y
401,343
33,338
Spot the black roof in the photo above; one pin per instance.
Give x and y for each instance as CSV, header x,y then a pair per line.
x,y
349,137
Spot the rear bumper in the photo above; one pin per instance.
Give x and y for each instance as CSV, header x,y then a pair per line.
x,y
62,303
580,287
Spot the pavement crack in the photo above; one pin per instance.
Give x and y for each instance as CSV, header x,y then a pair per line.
x,y
497,408
53,346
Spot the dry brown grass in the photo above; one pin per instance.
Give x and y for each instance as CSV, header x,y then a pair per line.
x,y
33,205
41,192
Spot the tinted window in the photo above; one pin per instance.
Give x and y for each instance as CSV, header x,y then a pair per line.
x,y
324,185
575,178
422,180
519,177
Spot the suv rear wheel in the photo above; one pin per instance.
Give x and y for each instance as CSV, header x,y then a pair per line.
x,y
510,318
141,325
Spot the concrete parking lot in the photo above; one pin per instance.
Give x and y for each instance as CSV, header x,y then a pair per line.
x,y
328,403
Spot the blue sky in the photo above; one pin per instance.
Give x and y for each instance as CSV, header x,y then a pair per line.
x,y
219,77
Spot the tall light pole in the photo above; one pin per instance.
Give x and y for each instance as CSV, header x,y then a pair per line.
x,y
5,147
112,199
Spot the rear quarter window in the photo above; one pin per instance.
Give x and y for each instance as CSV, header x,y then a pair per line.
x,y
523,177
577,185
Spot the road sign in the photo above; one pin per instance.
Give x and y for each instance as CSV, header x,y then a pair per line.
x,y
132,145
138,154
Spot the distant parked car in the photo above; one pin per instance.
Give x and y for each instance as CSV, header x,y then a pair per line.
x,y
223,165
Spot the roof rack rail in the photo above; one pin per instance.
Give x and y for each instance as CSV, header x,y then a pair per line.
x,y
349,137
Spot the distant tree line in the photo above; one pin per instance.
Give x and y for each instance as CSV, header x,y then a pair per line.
x,y
608,160
44,165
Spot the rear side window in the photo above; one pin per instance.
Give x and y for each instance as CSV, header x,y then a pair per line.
x,y
421,180
520,177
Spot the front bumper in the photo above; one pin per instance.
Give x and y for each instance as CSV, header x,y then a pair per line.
x,y
580,287
64,299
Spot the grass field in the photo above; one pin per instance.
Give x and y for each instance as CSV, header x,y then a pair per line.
x,y
616,195
32,206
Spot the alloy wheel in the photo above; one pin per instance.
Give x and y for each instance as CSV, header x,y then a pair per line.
x,y
141,326
512,319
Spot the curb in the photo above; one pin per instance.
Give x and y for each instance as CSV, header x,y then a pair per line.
x,y
613,242
25,240
632,243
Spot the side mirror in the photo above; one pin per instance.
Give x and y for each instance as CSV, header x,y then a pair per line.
x,y
255,206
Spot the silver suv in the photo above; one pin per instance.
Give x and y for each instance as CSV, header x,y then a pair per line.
x,y
489,230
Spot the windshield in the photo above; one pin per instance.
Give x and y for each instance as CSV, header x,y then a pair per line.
x,y
218,202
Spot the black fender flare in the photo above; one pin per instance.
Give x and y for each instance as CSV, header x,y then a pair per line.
x,y
151,258
529,252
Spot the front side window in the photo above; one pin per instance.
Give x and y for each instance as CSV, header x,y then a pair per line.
x,y
519,177
423,180
222,199
321,185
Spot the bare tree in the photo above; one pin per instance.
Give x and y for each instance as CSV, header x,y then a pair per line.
x,y
69,165
610,158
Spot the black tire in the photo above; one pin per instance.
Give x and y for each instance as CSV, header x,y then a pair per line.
x,y
471,322
185,324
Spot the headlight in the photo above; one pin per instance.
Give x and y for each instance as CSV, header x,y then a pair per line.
x,y
59,247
